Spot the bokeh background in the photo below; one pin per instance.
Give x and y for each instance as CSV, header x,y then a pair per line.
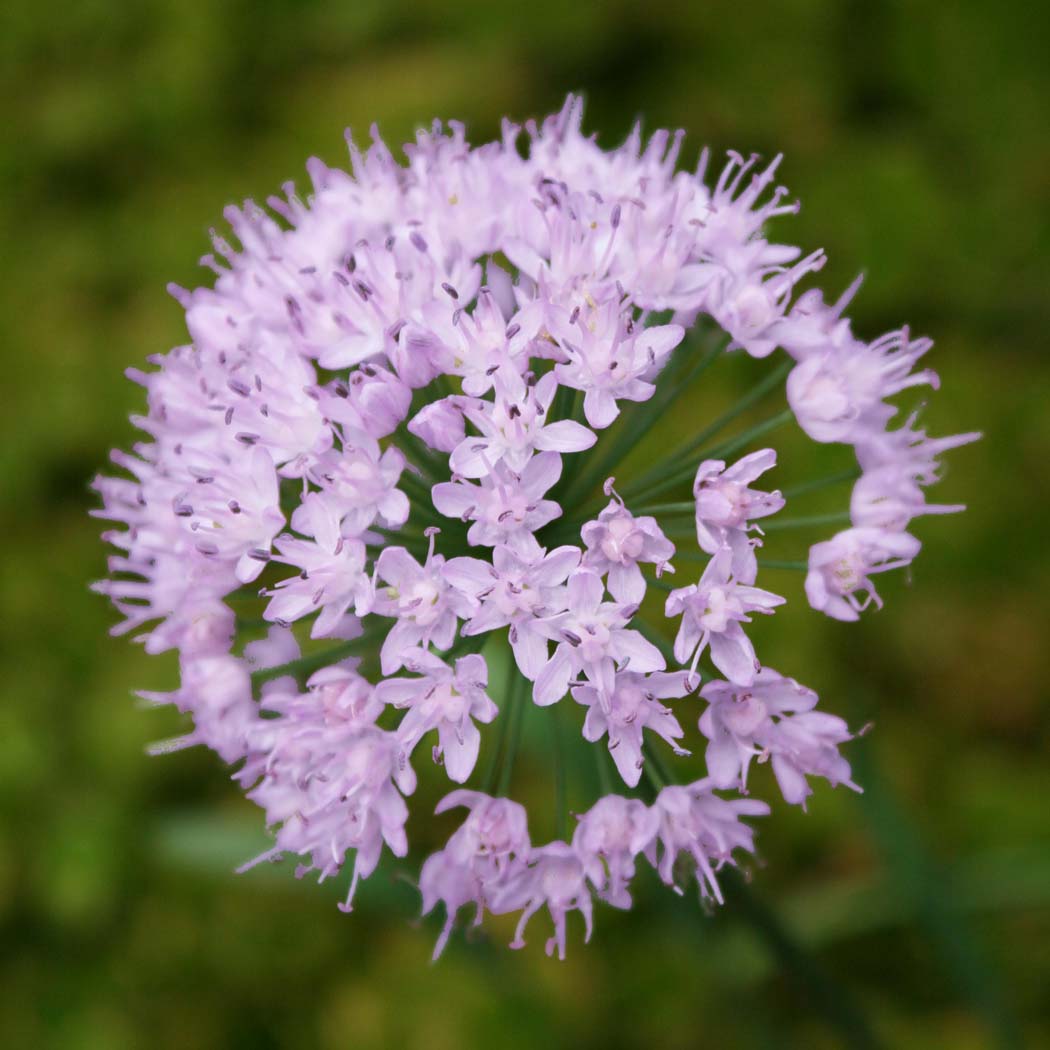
x,y
916,915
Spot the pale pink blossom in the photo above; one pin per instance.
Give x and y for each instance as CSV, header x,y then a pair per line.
x,y
331,579
697,822
513,426
726,507
447,699
617,542
840,569
554,877
591,638
608,838
505,508
772,719
631,707
518,592
712,612
424,604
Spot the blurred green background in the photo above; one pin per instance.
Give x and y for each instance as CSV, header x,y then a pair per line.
x,y
916,136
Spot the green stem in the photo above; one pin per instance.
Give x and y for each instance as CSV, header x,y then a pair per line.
x,y
244,594
657,772
465,644
561,813
601,758
680,507
733,445
420,457
562,406
576,411
505,712
691,556
653,635
305,665
827,996
517,700
416,485
700,557
777,524
678,535
914,874
662,585
685,473
821,483
245,624
752,397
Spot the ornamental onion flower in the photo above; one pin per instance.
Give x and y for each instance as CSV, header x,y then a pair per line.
x,y
379,473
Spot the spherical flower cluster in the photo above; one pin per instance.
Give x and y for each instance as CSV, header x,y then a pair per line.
x,y
371,473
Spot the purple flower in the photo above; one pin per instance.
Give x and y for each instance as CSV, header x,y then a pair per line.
x,y
357,486
373,400
494,836
421,599
443,880
811,326
712,612
476,346
749,304
726,507
555,877
343,695
773,718
839,579
236,513
331,578
489,848
593,640
201,627
518,592
910,449
446,699
278,648
216,692
617,541
889,497
696,822
513,426
506,508
610,358
838,395
608,838
440,424
333,787
630,708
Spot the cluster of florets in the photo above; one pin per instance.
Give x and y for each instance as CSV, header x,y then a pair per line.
x,y
376,429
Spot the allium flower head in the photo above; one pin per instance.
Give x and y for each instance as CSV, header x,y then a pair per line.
x,y
373,510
